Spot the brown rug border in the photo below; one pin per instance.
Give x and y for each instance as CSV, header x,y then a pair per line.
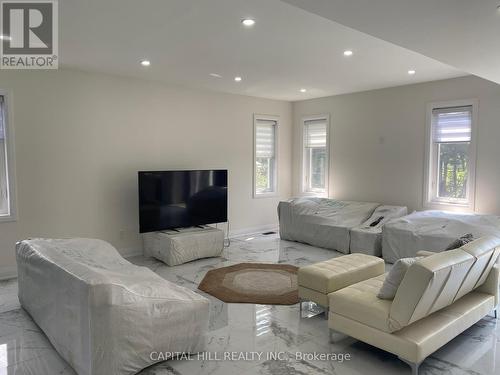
x,y
212,284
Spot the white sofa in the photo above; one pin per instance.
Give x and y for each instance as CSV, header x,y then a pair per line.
x,y
103,314
432,231
440,296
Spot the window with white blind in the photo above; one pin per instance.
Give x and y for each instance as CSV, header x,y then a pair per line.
x,y
451,154
6,207
315,155
265,155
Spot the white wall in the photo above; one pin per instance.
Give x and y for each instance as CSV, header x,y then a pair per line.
x,y
377,142
80,139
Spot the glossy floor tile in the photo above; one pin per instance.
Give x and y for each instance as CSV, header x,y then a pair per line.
x,y
285,342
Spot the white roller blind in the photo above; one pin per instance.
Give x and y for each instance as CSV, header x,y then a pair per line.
x,y
265,138
315,133
452,124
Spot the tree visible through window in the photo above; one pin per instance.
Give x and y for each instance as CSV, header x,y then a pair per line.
x,y
264,174
452,173
451,154
315,154
265,155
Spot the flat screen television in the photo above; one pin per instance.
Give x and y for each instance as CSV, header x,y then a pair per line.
x,y
176,199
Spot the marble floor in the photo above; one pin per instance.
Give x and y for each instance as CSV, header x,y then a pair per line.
x,y
271,330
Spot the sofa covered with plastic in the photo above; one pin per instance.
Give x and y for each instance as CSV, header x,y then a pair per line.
x,y
367,238
103,314
328,223
432,231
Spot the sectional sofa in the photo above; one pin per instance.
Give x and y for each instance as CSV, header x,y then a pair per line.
x,y
440,296
330,223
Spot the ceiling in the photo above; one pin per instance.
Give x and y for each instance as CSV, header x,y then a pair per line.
x,y
461,33
186,40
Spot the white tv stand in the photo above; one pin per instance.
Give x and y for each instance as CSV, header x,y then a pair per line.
x,y
183,245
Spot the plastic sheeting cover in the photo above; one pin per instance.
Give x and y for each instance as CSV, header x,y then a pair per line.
x,y
367,238
322,222
103,314
175,248
432,231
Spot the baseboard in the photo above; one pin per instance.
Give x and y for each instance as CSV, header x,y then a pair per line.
x,y
8,272
252,230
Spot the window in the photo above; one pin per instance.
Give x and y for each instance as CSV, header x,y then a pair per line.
x,y
315,155
451,154
6,207
265,163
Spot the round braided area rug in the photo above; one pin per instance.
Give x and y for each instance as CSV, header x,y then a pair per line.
x,y
261,283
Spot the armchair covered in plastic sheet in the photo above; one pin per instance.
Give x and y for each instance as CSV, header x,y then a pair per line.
x,y
103,314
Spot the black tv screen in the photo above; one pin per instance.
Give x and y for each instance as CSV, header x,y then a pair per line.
x,y
176,199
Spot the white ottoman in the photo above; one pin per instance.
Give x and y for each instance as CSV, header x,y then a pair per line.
x,y
318,280
175,248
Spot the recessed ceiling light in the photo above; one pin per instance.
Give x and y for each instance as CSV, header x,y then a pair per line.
x,y
411,72
348,53
303,90
248,22
5,37
145,62
215,75
237,79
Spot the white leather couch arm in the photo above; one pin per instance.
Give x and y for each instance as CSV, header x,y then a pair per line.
x,y
492,283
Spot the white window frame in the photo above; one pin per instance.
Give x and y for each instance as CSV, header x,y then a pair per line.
x,y
9,144
275,191
431,200
303,190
